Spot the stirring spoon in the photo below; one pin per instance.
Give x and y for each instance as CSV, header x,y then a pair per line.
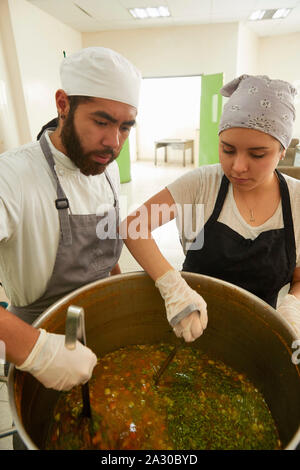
x,y
75,330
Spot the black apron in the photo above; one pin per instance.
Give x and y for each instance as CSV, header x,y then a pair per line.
x,y
261,266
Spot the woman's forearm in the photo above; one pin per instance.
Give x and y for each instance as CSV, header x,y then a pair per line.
x,y
17,336
295,289
137,228
295,284
115,270
148,255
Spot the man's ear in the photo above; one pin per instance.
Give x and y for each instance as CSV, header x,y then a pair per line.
x,y
62,103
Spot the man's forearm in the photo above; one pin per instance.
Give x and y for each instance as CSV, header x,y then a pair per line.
x,y
17,336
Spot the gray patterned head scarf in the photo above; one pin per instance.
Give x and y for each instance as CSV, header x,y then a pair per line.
x,y
257,102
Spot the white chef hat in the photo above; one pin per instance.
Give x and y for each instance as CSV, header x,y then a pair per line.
x,y
101,73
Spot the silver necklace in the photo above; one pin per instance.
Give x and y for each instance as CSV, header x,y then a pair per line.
x,y
251,211
252,218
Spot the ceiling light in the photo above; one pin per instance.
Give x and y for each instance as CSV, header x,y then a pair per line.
x,y
139,13
269,14
153,12
164,11
257,15
149,12
281,13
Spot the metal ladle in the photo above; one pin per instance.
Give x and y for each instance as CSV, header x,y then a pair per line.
x,y
75,330
165,364
158,373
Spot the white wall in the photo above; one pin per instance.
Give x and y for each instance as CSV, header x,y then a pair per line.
x,y
14,127
39,43
31,45
9,138
174,51
279,57
247,51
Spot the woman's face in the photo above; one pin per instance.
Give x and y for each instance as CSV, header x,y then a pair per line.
x,y
248,157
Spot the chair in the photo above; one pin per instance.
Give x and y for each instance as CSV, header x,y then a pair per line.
x,y
293,171
290,154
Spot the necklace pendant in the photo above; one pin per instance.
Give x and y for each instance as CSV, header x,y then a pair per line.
x,y
252,219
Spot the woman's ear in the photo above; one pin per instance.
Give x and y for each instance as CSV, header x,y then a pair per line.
x,y
282,154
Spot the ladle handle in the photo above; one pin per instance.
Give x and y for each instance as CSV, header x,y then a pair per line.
x,y
186,311
75,327
75,330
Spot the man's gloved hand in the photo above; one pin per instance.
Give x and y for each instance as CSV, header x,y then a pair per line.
x,y
177,296
57,367
290,310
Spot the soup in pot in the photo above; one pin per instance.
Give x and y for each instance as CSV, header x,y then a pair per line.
x,y
199,403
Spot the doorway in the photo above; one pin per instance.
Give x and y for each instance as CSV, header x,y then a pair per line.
x,y
169,109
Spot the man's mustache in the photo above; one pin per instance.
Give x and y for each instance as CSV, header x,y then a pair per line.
x,y
103,153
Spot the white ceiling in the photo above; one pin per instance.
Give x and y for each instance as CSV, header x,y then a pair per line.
x,y
105,15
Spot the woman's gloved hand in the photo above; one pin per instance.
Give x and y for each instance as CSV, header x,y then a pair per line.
x,y
57,367
177,296
290,310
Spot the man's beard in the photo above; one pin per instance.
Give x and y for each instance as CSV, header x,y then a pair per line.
x,y
72,144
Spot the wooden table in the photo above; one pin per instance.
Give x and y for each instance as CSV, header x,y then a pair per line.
x,y
180,144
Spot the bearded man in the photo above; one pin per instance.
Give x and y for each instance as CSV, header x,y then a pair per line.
x,y
53,194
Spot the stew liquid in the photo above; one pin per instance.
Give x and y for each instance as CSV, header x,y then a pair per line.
x,y
199,403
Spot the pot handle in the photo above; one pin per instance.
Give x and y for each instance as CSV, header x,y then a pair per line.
x,y
75,327
13,429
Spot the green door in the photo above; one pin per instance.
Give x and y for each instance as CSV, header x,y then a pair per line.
x,y
123,162
210,113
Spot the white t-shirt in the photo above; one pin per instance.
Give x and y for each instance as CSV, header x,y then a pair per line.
x,y
201,186
29,222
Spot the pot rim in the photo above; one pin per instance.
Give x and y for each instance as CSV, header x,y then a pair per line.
x,y
66,299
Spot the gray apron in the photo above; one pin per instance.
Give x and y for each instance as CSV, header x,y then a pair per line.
x,y
81,256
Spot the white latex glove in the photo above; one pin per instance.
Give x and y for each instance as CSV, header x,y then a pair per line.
x,y
57,367
177,296
290,310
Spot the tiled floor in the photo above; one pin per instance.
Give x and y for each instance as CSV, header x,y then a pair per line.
x,y
146,181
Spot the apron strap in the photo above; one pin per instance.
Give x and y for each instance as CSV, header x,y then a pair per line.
x,y
287,217
116,204
61,203
220,200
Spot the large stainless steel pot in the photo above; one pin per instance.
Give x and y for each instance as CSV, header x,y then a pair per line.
x,y
243,331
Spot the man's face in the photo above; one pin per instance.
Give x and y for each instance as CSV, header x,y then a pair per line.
x,y
93,135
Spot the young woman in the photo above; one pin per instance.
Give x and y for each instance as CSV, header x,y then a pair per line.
x,y
251,212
